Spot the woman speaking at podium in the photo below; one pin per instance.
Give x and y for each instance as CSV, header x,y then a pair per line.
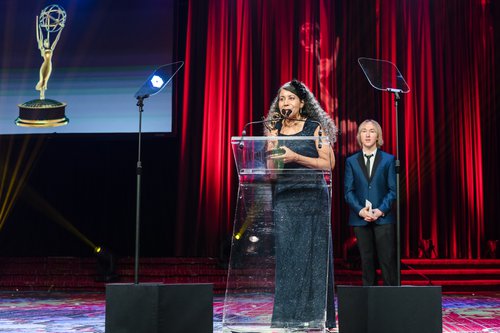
x,y
301,209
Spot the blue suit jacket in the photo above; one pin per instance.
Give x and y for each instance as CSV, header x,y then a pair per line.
x,y
380,189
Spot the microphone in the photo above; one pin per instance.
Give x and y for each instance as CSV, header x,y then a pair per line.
x,y
286,114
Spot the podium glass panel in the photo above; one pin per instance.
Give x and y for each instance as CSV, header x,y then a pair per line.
x,y
281,241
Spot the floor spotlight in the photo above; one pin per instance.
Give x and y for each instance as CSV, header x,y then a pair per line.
x,y
106,265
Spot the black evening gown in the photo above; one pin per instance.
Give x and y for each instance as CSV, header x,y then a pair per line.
x,y
304,261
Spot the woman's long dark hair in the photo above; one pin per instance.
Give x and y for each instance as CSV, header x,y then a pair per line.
x,y
312,109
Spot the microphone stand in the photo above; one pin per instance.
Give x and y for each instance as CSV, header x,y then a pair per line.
x,y
244,131
140,104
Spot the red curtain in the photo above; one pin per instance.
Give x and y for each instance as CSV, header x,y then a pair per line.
x,y
238,53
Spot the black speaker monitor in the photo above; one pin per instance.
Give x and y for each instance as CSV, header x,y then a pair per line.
x,y
405,309
159,308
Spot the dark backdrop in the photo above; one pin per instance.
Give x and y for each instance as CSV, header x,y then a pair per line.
x,y
89,183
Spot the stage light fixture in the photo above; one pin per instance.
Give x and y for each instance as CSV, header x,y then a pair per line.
x,y
105,265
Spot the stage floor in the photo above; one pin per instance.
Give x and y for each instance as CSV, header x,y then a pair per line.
x,y
55,312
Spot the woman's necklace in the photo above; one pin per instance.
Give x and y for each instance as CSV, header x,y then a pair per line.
x,y
293,126
293,123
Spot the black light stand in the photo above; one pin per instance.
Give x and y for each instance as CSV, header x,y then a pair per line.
x,y
398,210
140,104
397,97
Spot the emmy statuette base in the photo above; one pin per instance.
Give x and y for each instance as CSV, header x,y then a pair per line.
x,y
406,309
42,113
159,308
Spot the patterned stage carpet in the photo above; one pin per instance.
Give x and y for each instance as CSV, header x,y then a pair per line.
x,y
22,312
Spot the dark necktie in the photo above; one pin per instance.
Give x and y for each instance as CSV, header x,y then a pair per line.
x,y
368,157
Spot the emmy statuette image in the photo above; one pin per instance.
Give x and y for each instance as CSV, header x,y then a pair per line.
x,y
44,112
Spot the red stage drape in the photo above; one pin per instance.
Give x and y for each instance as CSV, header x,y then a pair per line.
x,y
238,53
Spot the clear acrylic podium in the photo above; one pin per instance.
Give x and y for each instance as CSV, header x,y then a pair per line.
x,y
275,259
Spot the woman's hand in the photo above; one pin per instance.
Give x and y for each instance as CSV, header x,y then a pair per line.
x,y
288,156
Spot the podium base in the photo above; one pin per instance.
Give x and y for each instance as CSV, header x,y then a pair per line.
x,y
406,309
159,308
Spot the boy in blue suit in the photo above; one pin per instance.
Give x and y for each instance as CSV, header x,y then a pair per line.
x,y
370,191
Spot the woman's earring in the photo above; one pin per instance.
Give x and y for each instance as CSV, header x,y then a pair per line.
x,y
301,112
